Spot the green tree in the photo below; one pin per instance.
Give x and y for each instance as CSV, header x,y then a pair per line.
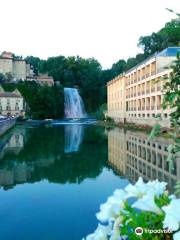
x,y
34,62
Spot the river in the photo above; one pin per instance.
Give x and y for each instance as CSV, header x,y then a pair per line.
x,y
53,178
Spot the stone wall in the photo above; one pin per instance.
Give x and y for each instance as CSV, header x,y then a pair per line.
x,y
5,125
19,69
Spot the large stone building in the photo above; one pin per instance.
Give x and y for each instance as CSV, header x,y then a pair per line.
x,y
11,103
17,69
136,96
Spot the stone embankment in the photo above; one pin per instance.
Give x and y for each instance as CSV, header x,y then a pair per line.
x,y
6,124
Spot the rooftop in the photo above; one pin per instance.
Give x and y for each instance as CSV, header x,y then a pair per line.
x,y
167,52
10,95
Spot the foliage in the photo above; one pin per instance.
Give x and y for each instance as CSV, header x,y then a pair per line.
x,y
171,100
42,101
2,78
100,113
168,36
76,71
172,92
109,120
34,62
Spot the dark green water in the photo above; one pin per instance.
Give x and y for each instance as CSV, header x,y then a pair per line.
x,y
53,179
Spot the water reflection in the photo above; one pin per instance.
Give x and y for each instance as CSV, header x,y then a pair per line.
x,y
33,154
73,137
133,154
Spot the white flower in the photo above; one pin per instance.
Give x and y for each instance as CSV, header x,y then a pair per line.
x,y
147,203
172,215
157,188
176,236
101,233
139,189
111,209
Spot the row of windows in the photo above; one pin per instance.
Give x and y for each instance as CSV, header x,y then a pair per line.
x,y
133,139
143,167
141,74
148,103
9,108
142,89
147,115
151,173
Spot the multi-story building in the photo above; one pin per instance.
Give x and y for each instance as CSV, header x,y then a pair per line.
x,y
116,98
11,103
143,95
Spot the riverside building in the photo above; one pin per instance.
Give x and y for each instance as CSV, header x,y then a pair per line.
x,y
11,103
141,91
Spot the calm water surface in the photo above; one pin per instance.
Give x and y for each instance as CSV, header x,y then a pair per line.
x,y
53,179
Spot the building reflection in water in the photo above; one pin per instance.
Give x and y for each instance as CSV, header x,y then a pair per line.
x,y
73,137
133,154
12,144
35,154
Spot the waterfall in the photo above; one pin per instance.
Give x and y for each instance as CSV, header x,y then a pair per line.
x,y
73,104
73,137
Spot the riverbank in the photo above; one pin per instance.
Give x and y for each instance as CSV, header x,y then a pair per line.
x,y
165,132
6,124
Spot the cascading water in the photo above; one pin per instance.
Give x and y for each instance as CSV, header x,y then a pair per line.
x,y
73,104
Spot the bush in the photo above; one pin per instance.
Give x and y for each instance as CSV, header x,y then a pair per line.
x,y
109,120
100,113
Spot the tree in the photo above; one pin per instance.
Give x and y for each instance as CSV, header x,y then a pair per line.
x,y
172,93
2,78
34,62
8,77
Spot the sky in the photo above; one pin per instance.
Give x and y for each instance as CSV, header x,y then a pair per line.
x,y
107,30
